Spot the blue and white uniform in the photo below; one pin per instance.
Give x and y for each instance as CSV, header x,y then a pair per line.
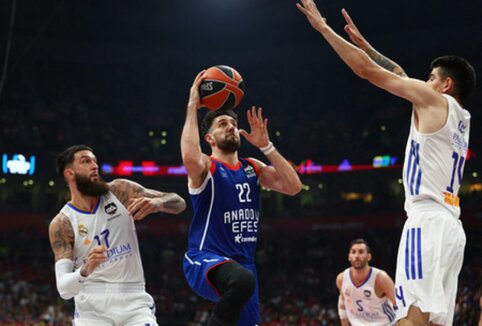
x,y
224,228
431,249
114,294
362,305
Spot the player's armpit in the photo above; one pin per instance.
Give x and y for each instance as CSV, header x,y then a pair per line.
x,y
61,235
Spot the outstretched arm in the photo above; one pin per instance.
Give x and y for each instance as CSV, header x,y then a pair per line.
x,y
196,162
281,176
413,90
359,40
141,201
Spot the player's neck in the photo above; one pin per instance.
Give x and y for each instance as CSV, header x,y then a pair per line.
x,y
360,275
229,158
84,202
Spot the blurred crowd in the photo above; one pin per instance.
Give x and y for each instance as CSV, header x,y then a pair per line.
x,y
297,274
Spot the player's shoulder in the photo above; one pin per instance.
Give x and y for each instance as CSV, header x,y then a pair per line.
x,y
60,217
61,220
381,275
339,278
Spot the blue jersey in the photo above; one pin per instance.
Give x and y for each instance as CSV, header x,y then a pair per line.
x,y
226,211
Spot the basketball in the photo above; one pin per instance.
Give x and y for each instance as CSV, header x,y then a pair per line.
x,y
222,89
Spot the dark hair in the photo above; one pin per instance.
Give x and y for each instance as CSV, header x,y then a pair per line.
x,y
460,70
359,241
67,157
211,115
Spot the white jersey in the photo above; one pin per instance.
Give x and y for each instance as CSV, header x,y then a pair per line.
x,y
362,305
110,225
434,163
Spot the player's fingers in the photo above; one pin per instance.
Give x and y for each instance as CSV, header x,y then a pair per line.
x,y
266,123
134,205
249,117
143,212
260,114
255,114
347,17
244,133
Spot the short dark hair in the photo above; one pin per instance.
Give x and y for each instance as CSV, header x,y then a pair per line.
x,y
211,115
67,157
359,241
460,70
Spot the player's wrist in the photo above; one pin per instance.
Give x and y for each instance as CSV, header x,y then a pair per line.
x,y
267,149
83,272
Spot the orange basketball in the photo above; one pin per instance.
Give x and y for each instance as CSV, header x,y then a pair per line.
x,y
222,89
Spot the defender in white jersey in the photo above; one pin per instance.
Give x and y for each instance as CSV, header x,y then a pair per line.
x,y
433,240
94,240
367,294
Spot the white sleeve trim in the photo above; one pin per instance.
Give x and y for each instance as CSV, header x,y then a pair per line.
x,y
197,191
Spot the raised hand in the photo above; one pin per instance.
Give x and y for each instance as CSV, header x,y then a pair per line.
x,y
95,257
194,97
309,9
354,33
259,128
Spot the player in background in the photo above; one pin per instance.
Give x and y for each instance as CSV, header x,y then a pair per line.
x,y
432,245
219,263
94,240
367,294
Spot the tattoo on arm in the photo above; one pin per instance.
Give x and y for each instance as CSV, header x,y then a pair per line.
x,y
124,190
385,62
62,237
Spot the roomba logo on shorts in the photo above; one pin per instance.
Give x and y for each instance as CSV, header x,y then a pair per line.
x,y
240,239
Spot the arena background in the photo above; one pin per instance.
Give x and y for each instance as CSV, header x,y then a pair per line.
x,y
115,75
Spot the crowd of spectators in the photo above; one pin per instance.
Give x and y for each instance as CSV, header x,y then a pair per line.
x,y
296,270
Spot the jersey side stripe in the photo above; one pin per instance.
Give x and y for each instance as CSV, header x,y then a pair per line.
x,y
209,215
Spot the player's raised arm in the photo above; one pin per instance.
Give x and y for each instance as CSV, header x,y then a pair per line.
x,y
281,176
141,201
413,90
359,40
196,162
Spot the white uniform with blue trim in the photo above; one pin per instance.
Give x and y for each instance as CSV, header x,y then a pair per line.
x,y
114,294
362,305
431,249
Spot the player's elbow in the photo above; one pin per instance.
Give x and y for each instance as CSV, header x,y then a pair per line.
x,y
64,294
295,188
361,71
180,204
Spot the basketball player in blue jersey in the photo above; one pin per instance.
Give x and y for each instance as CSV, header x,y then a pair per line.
x,y
367,294
432,245
219,264
94,240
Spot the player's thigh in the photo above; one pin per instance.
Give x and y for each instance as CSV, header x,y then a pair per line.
x,y
139,309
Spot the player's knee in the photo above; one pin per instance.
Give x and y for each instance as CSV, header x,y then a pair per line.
x,y
242,284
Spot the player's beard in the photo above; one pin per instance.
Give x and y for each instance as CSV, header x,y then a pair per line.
x,y
360,265
91,188
229,145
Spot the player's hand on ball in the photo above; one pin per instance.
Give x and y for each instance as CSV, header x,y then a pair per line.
x,y
194,97
259,128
